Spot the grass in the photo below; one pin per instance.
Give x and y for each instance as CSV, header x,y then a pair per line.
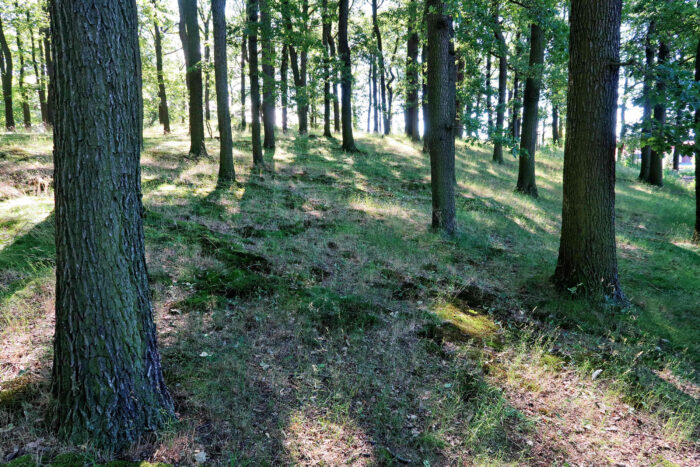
x,y
309,314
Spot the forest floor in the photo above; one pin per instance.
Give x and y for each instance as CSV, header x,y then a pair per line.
x,y
309,315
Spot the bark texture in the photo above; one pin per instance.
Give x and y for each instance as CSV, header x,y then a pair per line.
x,y
441,100
189,35
223,114
587,251
346,77
528,138
106,381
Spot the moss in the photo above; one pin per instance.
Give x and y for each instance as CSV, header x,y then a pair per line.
x,y
16,391
23,461
468,321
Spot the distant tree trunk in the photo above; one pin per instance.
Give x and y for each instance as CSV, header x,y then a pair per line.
x,y
656,159
424,103
6,75
346,76
326,70
441,99
499,135
528,139
646,98
26,114
623,123
189,35
106,382
459,105
412,68
375,95
284,86
336,105
587,251
298,69
370,107
207,60
38,65
49,72
678,142
244,54
515,112
696,234
381,70
226,170
163,113
555,124
252,6
489,108
268,70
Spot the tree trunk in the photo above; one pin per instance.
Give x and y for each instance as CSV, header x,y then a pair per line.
x,y
244,54
623,123
336,105
106,382
346,76
489,109
459,105
412,69
268,71
441,99
6,76
375,95
207,61
381,70
26,114
226,171
189,35
516,104
696,234
528,139
283,86
163,114
424,103
252,6
587,251
646,98
38,64
326,70
499,134
370,73
555,124
298,69
656,159
49,71
679,140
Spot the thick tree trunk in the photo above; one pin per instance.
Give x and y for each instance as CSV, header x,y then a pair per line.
x,y
6,76
412,69
244,54
106,382
268,70
587,251
528,139
346,76
252,7
38,65
223,114
499,134
441,89
646,98
336,104
656,158
696,234
326,70
163,113
284,66
189,35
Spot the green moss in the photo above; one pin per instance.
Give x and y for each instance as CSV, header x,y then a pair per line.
x,y
23,461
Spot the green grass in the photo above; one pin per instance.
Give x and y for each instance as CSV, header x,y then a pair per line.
x,y
309,313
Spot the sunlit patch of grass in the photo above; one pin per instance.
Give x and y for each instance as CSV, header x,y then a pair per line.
x,y
468,321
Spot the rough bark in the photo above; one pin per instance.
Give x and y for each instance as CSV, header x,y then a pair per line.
x,y
441,99
163,113
189,35
268,71
6,76
528,138
656,157
412,69
346,77
649,53
223,114
587,251
106,381
252,10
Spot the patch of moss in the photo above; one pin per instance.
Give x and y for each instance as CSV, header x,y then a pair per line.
x,y
17,391
470,322
23,461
